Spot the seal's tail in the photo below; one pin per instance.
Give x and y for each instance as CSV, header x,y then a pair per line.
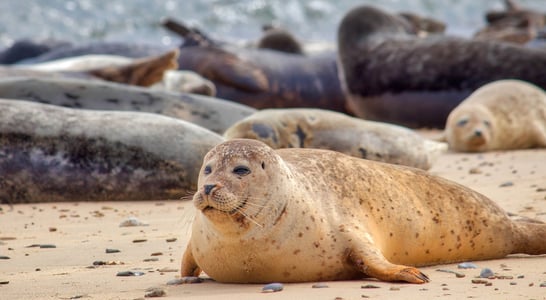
x,y
530,237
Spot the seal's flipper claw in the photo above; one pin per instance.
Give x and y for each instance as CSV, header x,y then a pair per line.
x,y
411,275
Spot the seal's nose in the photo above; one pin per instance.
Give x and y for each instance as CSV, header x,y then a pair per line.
x,y
208,188
478,133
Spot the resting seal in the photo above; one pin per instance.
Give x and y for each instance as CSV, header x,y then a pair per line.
x,y
323,129
295,215
50,153
211,113
393,76
502,115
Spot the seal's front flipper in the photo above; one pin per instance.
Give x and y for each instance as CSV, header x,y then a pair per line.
x,y
369,260
189,267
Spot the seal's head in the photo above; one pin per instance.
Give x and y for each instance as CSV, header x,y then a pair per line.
x,y
235,183
470,129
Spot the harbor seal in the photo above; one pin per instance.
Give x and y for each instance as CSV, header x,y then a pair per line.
x,y
502,115
393,76
299,215
50,153
211,113
323,129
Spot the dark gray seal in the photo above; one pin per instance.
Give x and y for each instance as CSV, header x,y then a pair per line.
x,y
392,76
50,153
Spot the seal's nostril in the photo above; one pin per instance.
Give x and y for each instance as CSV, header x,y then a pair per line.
x,y
208,188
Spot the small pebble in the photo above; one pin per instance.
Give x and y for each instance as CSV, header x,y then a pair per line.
x,y
489,284
4,282
394,288
185,280
132,221
543,284
45,246
369,286
479,281
108,250
140,240
272,287
155,292
486,273
166,270
171,240
521,276
513,283
457,274
130,273
4,257
156,254
38,269
505,184
319,285
475,171
467,265
151,259
52,229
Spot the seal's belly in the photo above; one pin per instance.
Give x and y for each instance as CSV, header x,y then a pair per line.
x,y
270,260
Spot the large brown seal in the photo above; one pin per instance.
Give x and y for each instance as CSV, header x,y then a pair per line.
x,y
294,215
396,77
502,115
50,153
323,129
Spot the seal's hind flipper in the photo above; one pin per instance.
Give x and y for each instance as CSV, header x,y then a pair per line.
x,y
369,260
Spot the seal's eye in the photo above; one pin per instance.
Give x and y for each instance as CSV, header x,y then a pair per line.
x,y
207,170
487,123
241,170
462,122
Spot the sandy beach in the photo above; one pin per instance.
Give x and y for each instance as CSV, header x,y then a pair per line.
x,y
75,236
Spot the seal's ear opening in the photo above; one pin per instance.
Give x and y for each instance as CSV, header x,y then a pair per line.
x,y
263,165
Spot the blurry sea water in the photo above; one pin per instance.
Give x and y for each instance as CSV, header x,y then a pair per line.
x,y
138,20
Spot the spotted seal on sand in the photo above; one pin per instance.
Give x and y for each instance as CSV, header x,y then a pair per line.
x,y
502,115
396,77
212,113
50,153
322,129
298,215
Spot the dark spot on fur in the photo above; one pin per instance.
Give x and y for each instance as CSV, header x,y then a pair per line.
x,y
264,131
112,100
71,96
301,136
363,152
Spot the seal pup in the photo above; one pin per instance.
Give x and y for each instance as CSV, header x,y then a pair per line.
x,y
502,115
50,153
211,113
298,215
393,76
322,129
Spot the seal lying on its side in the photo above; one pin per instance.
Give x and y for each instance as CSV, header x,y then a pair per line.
x,y
322,129
211,113
502,115
295,215
392,76
50,153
